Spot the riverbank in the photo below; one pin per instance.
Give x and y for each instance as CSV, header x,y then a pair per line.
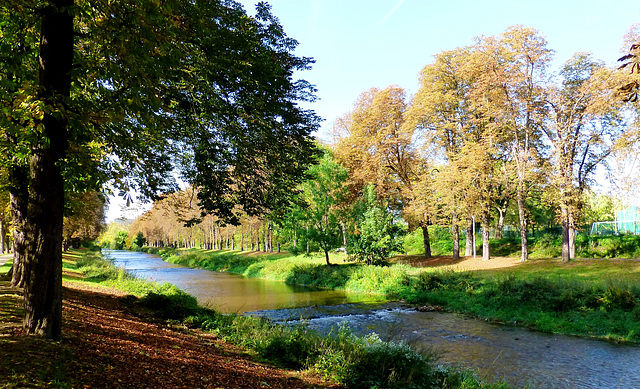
x,y
159,337
110,341
592,298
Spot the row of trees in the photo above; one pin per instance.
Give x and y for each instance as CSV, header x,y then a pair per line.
x,y
320,218
491,127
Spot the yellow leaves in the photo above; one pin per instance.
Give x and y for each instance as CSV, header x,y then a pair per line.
x,y
27,108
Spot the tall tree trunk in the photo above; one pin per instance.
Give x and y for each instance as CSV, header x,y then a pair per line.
x,y
295,238
500,224
241,238
344,237
572,241
566,252
468,247
19,199
426,242
522,217
486,254
455,236
43,264
2,233
326,257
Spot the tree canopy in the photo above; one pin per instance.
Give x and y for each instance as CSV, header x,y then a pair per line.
x,y
127,91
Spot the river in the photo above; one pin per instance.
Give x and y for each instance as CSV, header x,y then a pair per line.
x,y
518,356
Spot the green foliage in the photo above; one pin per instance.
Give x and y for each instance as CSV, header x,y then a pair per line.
x,y
120,240
377,235
610,246
138,241
440,241
378,364
170,302
616,298
115,236
322,194
390,281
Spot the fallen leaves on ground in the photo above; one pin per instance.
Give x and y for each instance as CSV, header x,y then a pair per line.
x,y
108,344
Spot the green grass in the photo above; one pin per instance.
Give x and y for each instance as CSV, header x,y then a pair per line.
x,y
595,298
542,298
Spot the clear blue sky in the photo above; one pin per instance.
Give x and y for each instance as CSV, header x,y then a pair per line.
x,y
360,44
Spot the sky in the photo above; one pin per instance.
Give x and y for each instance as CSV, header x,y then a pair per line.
x,y
360,44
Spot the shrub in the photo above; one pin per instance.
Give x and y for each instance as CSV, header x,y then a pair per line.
x,y
616,298
170,302
378,364
387,280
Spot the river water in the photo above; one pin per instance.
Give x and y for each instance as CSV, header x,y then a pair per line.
x,y
515,355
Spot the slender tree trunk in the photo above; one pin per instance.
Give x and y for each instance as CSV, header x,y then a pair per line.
x,y
486,254
468,247
43,265
2,233
522,217
326,256
500,224
270,238
566,252
572,241
426,242
295,239
241,238
455,236
344,237
233,240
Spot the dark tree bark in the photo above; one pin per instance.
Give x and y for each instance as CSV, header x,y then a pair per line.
x,y
19,198
426,241
43,264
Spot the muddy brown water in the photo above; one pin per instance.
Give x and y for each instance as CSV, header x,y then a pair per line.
x,y
517,356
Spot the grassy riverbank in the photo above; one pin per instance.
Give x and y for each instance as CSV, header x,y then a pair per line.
x,y
112,320
593,298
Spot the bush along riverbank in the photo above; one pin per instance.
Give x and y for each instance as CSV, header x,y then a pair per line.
x,y
341,358
592,298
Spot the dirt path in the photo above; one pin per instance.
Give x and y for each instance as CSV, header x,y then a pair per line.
x,y
465,263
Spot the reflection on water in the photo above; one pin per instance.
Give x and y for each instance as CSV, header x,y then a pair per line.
x,y
224,292
518,356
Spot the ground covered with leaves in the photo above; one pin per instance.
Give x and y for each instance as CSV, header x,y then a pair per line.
x,y
111,342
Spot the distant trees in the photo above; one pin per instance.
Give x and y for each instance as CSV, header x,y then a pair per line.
x,y
84,220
